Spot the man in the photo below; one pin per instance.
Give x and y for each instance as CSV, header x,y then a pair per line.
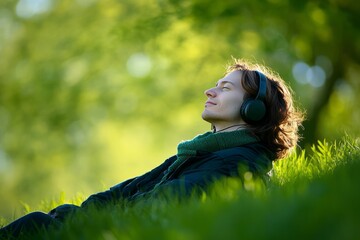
x,y
254,123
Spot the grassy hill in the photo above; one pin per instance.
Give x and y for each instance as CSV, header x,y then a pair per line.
x,y
312,195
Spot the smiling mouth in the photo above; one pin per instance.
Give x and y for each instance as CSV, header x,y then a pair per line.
x,y
209,103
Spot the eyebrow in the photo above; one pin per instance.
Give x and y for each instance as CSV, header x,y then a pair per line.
x,y
224,82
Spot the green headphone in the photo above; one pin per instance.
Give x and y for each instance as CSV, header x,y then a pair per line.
x,y
253,109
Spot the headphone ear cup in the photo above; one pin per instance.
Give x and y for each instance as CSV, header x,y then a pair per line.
x,y
243,110
252,111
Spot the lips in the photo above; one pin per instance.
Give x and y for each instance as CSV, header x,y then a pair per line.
x,y
210,103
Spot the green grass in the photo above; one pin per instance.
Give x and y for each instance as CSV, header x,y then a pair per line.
x,y
312,195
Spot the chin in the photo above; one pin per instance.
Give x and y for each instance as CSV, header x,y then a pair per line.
x,y
207,117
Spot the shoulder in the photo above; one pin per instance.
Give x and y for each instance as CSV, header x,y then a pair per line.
x,y
247,151
255,155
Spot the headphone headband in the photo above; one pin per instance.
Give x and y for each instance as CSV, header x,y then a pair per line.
x,y
262,86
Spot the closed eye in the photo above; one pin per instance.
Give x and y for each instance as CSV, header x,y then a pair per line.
x,y
225,85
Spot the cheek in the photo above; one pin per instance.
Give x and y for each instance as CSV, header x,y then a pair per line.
x,y
235,111
235,104
235,108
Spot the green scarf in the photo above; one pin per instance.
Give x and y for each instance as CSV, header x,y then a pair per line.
x,y
209,142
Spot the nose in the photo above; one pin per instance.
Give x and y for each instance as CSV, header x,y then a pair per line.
x,y
210,92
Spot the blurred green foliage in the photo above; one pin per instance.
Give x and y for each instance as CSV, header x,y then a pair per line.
x,y
93,92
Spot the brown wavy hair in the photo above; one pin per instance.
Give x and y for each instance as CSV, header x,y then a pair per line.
x,y
278,130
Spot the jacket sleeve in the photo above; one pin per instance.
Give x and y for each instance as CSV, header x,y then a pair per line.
x,y
126,189
206,170
108,196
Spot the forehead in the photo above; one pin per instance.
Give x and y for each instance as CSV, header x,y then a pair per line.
x,y
232,77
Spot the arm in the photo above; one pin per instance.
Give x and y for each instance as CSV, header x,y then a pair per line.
x,y
98,199
62,211
108,196
202,171
123,190
126,189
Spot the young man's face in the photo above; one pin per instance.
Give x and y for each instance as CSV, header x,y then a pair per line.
x,y
222,109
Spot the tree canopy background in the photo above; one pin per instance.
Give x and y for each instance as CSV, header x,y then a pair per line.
x,y
94,92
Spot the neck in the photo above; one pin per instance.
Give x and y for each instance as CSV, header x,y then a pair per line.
x,y
228,128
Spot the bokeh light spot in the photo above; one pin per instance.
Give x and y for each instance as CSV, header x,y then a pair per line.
x,y
5,163
304,74
316,76
139,65
299,72
29,8
318,16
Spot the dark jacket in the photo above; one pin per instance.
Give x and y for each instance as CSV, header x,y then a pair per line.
x,y
195,174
